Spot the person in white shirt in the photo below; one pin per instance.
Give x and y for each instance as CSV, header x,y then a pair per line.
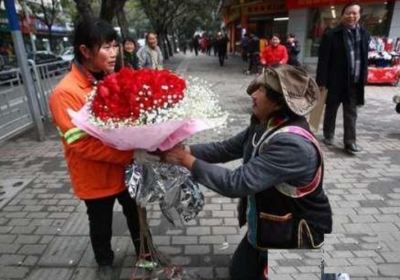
x,y
150,55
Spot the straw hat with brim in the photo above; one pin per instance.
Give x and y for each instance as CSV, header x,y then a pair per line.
x,y
300,91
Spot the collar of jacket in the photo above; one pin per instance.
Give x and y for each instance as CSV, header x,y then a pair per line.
x,y
83,78
341,28
148,49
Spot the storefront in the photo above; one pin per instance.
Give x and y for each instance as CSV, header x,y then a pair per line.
x,y
59,35
5,35
310,18
261,17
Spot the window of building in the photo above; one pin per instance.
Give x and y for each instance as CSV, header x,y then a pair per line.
x,y
376,18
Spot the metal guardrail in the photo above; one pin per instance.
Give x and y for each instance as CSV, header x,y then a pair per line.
x,y
15,117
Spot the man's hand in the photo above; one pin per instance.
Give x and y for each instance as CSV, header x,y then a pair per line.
x,y
179,155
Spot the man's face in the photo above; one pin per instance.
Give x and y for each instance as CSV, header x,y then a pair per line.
x,y
351,16
152,41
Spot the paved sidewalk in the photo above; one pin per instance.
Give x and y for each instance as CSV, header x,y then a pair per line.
x,y
43,227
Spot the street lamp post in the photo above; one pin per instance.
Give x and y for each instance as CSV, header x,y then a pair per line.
x,y
33,102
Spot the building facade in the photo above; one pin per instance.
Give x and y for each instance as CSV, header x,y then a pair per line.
x,y
31,25
307,19
261,17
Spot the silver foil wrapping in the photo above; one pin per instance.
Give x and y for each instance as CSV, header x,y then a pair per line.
x,y
180,198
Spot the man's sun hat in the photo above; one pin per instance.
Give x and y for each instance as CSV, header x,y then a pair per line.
x,y
299,89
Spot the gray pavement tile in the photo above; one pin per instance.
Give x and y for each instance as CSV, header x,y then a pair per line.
x,y
51,274
14,272
197,250
82,273
32,249
27,239
9,248
64,251
11,260
121,246
77,224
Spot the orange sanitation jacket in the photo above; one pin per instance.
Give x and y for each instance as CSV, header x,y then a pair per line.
x,y
96,170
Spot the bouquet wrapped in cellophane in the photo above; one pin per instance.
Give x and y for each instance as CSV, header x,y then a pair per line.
x,y
152,110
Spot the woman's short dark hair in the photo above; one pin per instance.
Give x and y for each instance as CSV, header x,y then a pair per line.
x,y
276,35
129,39
351,4
92,33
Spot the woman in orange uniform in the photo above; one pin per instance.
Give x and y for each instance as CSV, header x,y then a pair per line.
x,y
96,171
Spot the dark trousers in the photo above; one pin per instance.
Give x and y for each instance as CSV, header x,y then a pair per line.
x,y
349,117
100,213
248,263
254,59
221,57
251,264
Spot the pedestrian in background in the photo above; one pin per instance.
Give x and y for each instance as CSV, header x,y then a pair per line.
x,y
150,55
196,44
254,54
342,71
275,53
209,45
293,49
222,46
244,44
183,46
280,182
128,57
214,43
97,171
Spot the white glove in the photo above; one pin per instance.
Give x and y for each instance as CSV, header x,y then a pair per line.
x,y
144,157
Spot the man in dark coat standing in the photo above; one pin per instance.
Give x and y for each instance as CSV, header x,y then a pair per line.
x,y
342,70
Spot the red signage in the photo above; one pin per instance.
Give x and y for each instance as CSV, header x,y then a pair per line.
x,y
298,4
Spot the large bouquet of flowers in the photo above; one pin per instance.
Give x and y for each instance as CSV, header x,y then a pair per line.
x,y
148,109
152,110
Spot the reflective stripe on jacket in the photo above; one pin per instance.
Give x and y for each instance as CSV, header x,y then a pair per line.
x,y
96,170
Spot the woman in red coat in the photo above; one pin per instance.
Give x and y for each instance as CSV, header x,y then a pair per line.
x,y
275,53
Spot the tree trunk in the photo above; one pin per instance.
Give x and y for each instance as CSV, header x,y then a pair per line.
x,y
50,38
123,23
109,8
175,45
161,43
169,47
84,9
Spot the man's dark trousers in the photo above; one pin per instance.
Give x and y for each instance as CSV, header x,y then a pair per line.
x,y
349,116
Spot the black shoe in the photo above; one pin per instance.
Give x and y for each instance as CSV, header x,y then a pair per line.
x,y
106,272
352,148
328,141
